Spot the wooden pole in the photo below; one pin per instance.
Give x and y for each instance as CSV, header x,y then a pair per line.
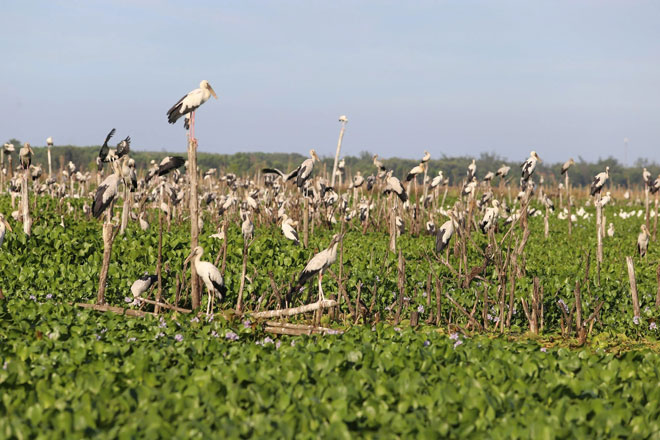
x,y
194,225
50,167
108,237
159,264
27,221
633,286
305,222
341,136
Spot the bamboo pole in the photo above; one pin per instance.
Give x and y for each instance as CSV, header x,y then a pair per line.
x,y
194,225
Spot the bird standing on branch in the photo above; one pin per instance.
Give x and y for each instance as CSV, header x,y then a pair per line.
x,y
318,264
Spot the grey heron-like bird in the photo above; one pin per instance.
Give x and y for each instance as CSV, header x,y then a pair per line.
x,y
108,155
318,264
643,241
610,230
490,217
210,275
569,163
306,169
599,181
189,103
107,191
25,155
4,225
142,285
529,165
437,180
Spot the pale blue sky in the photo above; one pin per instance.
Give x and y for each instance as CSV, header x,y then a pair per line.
x,y
566,78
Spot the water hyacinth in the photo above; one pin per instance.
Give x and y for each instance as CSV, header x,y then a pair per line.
x,y
544,350
457,343
427,343
33,298
420,309
453,336
49,296
231,336
214,334
247,323
127,299
653,326
178,337
195,319
636,320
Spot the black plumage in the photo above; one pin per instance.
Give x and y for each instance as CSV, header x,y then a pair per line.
x,y
166,165
105,150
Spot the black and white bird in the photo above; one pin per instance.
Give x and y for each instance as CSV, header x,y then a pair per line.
x,y
4,225
285,176
470,187
289,230
547,201
210,275
437,180
128,174
107,192
569,163
306,168
419,169
358,180
443,235
643,241
655,185
529,165
166,165
25,155
393,184
646,175
599,181
472,170
489,176
190,102
606,198
317,265
378,164
142,285
247,227
490,217
503,171
108,155
427,157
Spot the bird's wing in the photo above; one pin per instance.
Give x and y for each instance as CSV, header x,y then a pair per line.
x,y
272,171
174,113
313,267
107,138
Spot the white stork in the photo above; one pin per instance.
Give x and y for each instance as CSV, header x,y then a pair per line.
x,y
489,176
166,165
610,230
437,180
419,169
189,103
470,187
443,235
570,162
106,192
289,230
4,225
358,180
503,171
378,164
606,199
209,274
394,184
599,181
646,174
318,264
427,157
529,165
643,241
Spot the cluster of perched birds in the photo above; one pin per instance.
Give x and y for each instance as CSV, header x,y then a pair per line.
x,y
281,196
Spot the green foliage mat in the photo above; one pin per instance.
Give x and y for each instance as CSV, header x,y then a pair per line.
x,y
72,373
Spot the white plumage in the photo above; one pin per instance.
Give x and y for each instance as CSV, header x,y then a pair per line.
x,y
191,101
210,275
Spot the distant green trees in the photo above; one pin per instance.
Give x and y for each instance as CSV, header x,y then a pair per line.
x,y
453,167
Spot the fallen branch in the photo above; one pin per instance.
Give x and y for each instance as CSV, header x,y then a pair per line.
x,y
113,309
296,310
164,305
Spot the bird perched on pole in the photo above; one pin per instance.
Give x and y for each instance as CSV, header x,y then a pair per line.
x,y
643,241
289,230
107,191
25,155
599,181
142,285
503,171
166,165
318,264
490,217
472,170
210,275
108,155
570,162
189,103
306,168
419,169
443,235
646,175
529,165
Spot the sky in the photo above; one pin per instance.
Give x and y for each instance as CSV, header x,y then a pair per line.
x,y
566,78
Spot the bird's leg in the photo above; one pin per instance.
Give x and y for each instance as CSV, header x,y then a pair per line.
x,y
208,305
192,125
321,297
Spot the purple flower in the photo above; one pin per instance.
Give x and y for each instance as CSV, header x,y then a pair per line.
x,y
162,324
653,326
636,320
268,340
132,339
427,343
544,350
160,335
278,343
195,319
214,334
457,343
332,332
424,294
49,296
231,336
98,337
247,323
4,366
420,309
293,342
178,337
454,336
127,299
209,318
33,298
397,329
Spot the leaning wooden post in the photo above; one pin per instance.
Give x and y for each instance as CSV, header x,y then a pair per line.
x,y
124,210
159,263
108,237
633,286
599,235
546,224
343,119
194,225
646,206
305,221
239,303
25,202
655,217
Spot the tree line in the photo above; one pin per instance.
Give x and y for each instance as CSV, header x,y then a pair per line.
x,y
454,168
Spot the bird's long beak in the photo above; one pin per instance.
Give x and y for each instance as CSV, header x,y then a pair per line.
x,y
212,92
538,158
189,258
8,225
